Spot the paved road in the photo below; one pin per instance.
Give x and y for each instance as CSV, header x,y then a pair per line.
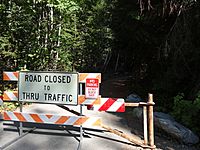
x,y
51,137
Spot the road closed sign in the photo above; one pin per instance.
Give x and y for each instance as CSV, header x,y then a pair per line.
x,y
92,88
48,87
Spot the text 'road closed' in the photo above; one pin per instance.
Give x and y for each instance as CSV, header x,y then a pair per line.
x,y
48,87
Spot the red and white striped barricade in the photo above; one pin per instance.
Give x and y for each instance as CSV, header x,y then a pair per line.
x,y
13,96
10,96
88,101
109,105
13,76
10,76
84,76
52,119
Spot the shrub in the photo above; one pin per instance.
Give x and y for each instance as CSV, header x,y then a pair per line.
x,y
187,112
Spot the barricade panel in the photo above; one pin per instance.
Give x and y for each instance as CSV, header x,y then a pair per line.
x,y
13,76
10,76
13,96
52,119
109,105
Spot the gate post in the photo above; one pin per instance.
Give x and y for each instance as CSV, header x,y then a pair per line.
x,y
20,123
1,115
151,120
145,125
1,122
81,114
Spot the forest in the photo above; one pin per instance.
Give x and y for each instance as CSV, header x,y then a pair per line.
x,y
156,42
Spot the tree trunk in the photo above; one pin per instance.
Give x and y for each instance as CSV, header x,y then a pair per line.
x,y
117,62
59,31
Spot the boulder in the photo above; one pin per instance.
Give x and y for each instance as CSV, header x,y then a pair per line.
x,y
163,115
167,123
134,98
138,113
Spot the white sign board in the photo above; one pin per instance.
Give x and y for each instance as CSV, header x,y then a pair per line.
x,y
48,87
92,88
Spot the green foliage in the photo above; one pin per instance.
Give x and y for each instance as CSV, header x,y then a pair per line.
x,y
9,106
53,34
66,6
187,111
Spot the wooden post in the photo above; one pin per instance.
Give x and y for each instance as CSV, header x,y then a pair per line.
x,y
150,121
145,125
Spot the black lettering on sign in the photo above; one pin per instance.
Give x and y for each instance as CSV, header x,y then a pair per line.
x,y
54,79
30,96
46,78
46,87
57,79
64,79
70,98
26,77
63,97
49,97
57,97
33,78
68,79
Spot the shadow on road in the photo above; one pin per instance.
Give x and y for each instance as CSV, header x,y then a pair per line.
x,y
55,131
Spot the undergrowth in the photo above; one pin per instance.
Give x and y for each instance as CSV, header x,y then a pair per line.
x,y
9,106
187,112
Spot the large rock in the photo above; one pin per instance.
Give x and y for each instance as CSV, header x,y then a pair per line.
x,y
134,98
138,113
167,123
171,127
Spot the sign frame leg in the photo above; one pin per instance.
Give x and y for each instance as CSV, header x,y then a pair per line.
x,y
81,114
1,123
20,123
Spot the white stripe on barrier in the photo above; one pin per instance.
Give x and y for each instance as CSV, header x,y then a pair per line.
x,y
89,121
88,101
115,105
11,95
28,117
71,120
12,76
109,105
49,120
11,115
